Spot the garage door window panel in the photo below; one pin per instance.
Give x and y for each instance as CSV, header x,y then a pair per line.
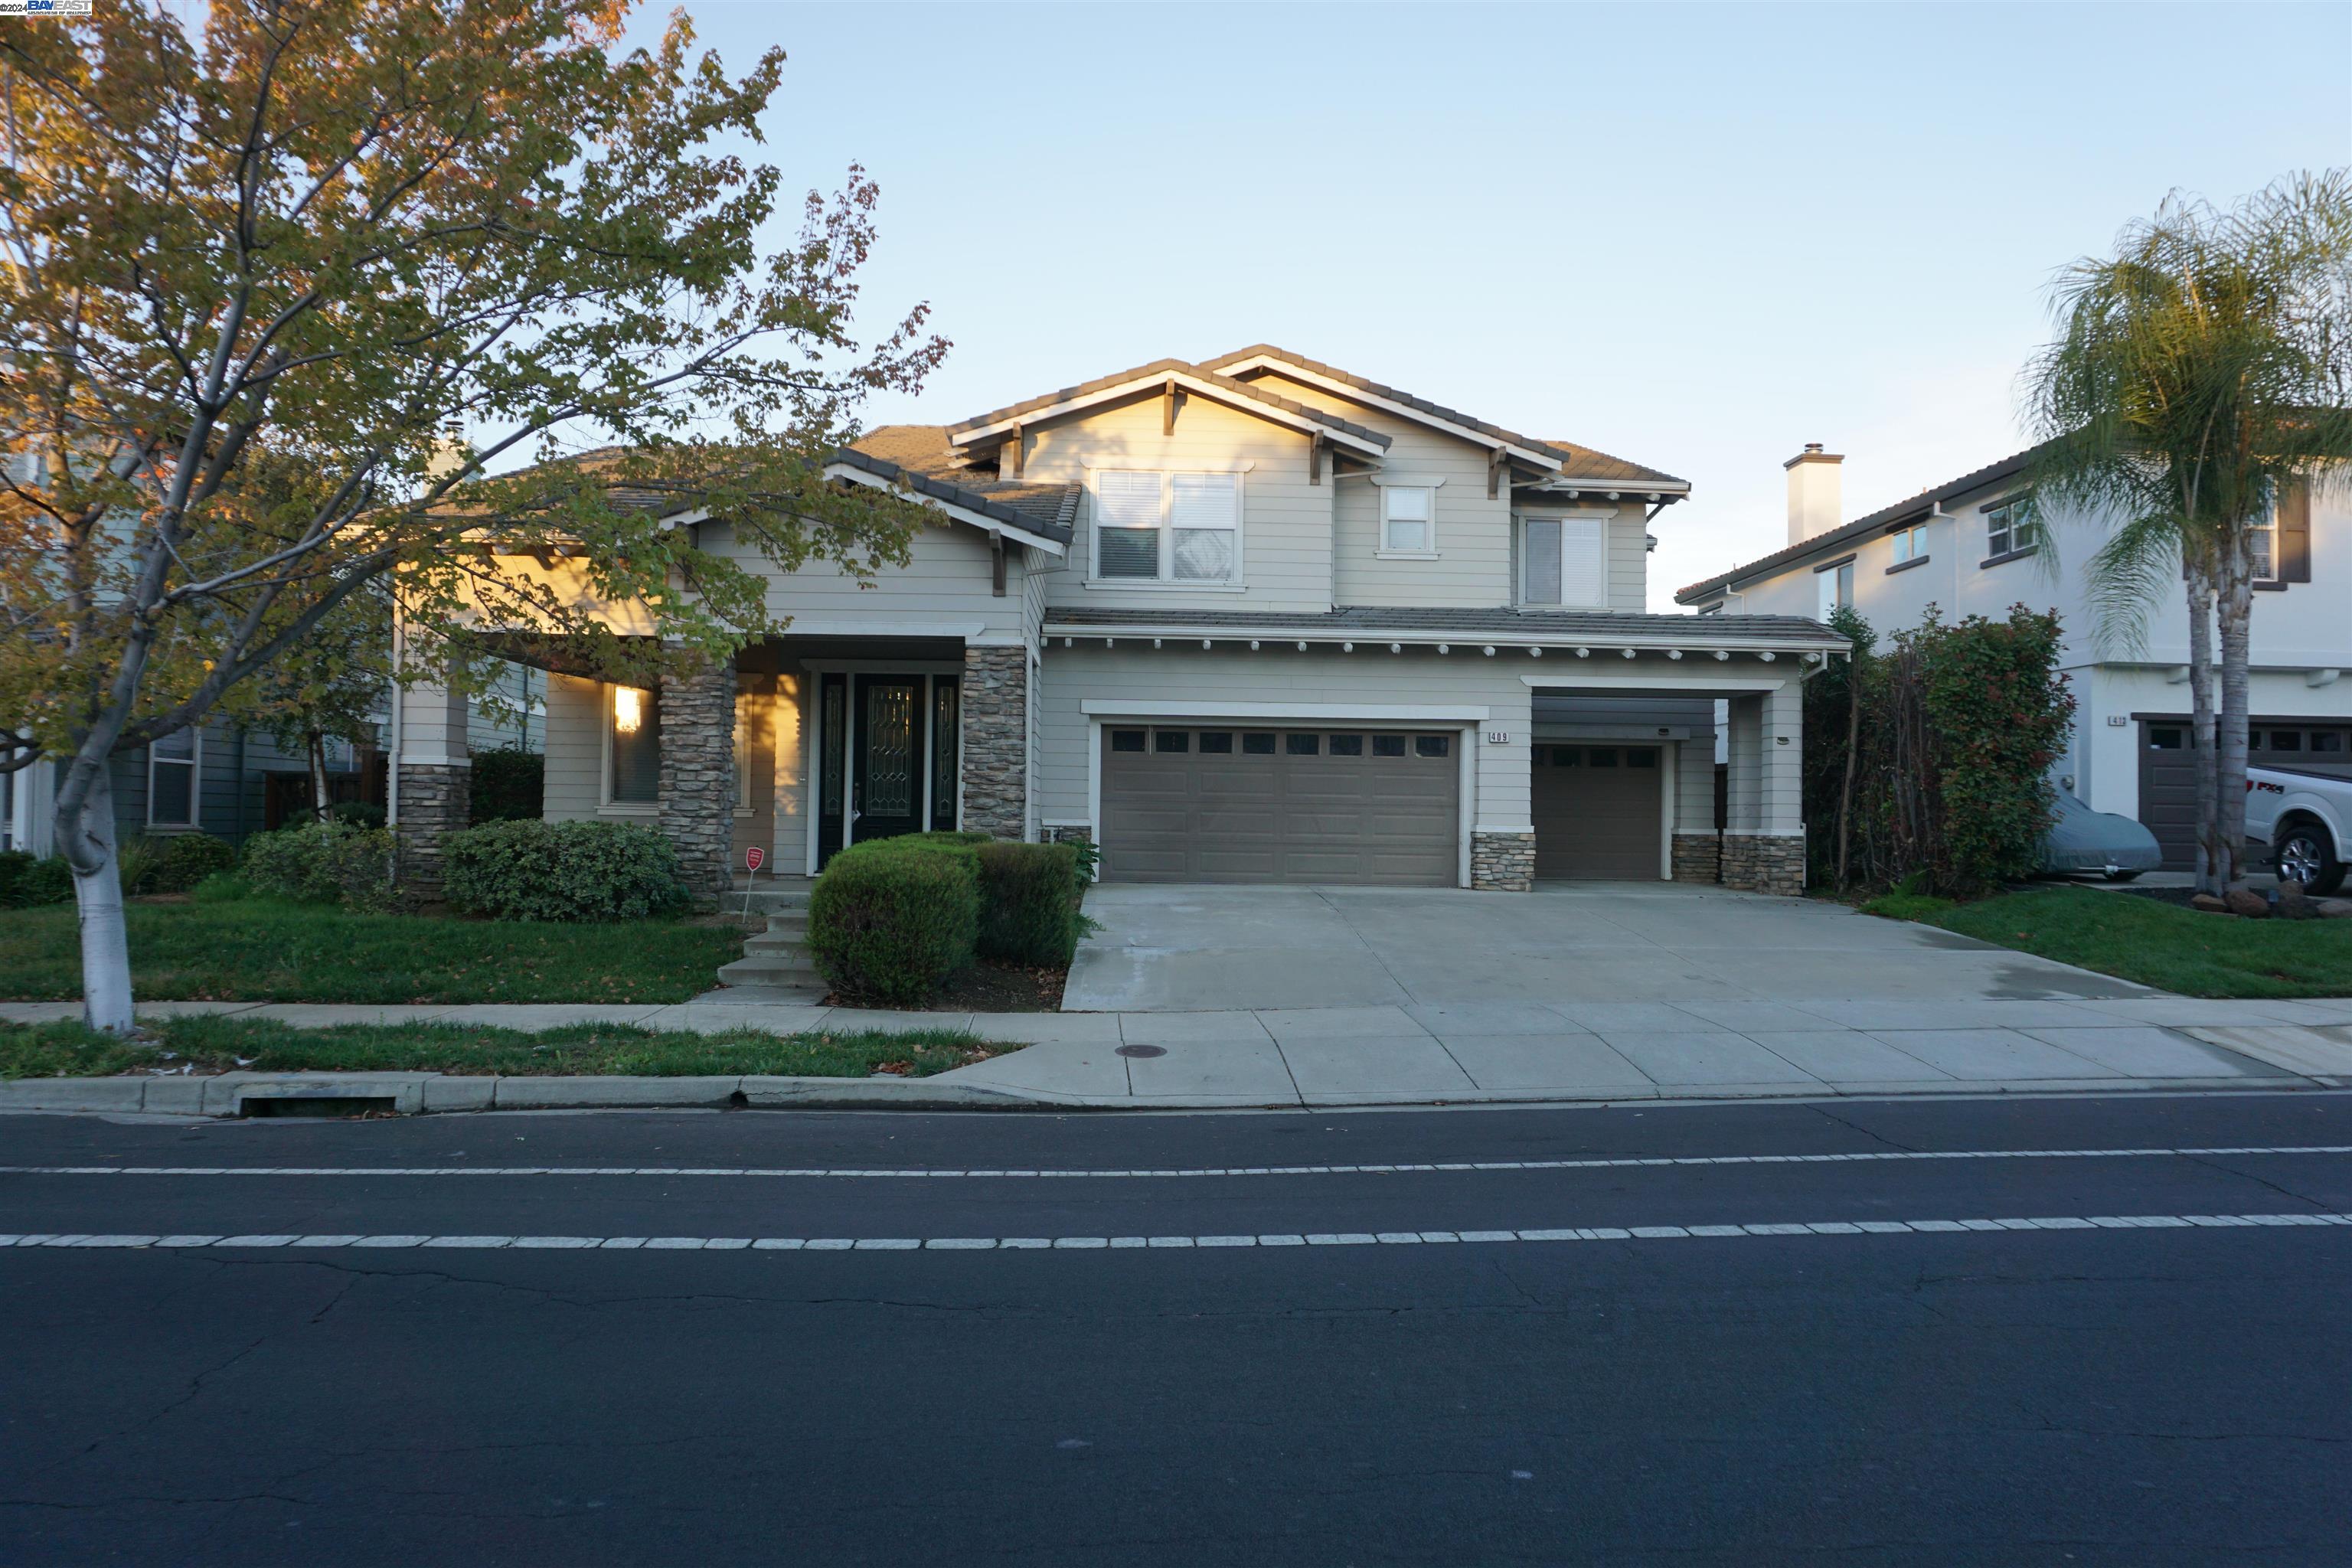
x,y
1387,745
1127,740
1301,745
1433,745
1171,741
1216,742
1258,745
1347,745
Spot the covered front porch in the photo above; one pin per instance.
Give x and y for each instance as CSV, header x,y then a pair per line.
x,y
800,745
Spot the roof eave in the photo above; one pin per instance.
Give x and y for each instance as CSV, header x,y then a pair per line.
x,y
1233,395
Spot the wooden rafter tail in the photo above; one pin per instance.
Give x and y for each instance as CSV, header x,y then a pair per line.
x,y
1314,458
1013,444
1168,406
1494,473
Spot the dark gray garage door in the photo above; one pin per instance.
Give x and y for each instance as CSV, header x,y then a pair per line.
x,y
2167,782
1597,811
1197,804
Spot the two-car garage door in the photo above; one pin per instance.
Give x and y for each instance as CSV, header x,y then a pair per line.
x,y
1194,803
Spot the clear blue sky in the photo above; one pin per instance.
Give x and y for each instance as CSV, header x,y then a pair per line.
x,y
1698,236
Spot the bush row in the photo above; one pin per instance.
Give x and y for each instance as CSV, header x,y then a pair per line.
x,y
162,864
531,870
895,920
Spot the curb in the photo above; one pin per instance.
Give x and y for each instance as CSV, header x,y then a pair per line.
x,y
235,1094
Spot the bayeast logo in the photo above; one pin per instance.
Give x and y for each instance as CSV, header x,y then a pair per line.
x,y
44,7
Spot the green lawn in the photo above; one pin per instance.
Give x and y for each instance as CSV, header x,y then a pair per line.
x,y
69,1050
2154,943
255,950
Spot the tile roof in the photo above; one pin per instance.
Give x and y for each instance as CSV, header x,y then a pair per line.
x,y
1564,625
1163,367
2008,467
1045,509
1579,462
923,450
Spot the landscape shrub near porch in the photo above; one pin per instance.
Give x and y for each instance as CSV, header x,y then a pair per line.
x,y
1028,902
530,871
326,862
893,920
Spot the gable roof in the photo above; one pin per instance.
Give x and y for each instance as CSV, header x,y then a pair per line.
x,y
1104,388
1860,528
1569,460
923,450
1038,514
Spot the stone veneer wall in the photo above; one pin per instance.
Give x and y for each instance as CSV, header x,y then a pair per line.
x,y
1765,863
698,775
435,799
1697,857
996,741
1502,862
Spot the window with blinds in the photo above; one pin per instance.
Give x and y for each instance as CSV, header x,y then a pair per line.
x,y
1566,562
1165,527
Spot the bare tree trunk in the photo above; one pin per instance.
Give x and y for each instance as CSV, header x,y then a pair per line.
x,y
97,895
2200,727
1852,739
2237,611
314,747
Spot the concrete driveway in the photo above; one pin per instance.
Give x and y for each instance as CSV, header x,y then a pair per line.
x,y
1187,949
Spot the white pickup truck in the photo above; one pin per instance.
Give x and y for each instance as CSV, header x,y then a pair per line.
x,y
2304,818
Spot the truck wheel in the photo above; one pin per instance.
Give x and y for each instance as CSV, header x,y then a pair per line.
x,y
2305,856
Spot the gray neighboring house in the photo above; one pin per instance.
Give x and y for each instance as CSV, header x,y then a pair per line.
x,y
1969,546
232,782
1250,620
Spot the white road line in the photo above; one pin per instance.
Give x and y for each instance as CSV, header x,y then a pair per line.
x,y
859,1174
1807,1229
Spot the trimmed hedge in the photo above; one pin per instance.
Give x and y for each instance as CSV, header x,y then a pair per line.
x,y
1028,902
893,919
27,882
572,871
325,863
185,859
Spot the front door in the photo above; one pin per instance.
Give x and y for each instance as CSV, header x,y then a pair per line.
x,y
885,788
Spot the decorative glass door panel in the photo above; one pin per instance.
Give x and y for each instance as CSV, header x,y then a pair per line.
x,y
886,792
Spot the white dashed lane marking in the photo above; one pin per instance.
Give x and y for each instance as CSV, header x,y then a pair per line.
x,y
864,1173
1102,1243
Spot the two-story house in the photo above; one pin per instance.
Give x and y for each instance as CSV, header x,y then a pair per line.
x,y
1253,619
1969,547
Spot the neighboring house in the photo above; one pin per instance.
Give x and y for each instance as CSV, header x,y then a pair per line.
x,y
231,781
1255,619
1968,547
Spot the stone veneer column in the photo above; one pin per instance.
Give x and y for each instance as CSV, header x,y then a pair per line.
x,y
1696,851
698,775
1697,857
435,783
1502,862
996,741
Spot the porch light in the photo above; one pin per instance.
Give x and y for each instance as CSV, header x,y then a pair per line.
x,y
628,709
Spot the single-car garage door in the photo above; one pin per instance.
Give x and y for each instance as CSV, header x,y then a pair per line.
x,y
1597,811
1188,802
2168,777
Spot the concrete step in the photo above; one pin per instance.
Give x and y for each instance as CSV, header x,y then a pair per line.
x,y
775,948
767,973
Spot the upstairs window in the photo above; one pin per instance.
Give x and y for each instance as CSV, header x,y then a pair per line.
x,y
1910,543
2009,528
1408,519
1836,585
1165,527
1566,562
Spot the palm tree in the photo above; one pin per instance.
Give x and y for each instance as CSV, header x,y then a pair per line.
x,y
2198,376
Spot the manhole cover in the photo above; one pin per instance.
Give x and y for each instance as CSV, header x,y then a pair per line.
x,y
1143,1050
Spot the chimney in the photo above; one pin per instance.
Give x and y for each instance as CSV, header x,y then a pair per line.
x,y
1813,500
449,456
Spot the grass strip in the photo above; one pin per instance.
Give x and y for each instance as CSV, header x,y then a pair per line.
x,y
257,950
2148,940
261,1045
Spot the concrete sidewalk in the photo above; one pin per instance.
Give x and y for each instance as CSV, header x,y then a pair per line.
x,y
1520,1051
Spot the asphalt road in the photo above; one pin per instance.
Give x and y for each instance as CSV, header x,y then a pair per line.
x,y
1263,1366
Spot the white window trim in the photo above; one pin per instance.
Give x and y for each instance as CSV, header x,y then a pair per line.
x,y
1433,483
605,804
1234,584
2269,527
2014,505
1914,536
195,764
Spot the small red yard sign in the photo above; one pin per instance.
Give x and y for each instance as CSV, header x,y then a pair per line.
x,y
753,856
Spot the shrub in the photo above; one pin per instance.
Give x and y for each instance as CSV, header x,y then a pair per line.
x,y
895,920
325,862
509,785
357,814
533,870
26,881
137,859
1028,902
186,859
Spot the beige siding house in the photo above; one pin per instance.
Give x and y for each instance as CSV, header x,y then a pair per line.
x,y
1253,618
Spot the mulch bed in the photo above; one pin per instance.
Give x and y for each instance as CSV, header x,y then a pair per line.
x,y
989,987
